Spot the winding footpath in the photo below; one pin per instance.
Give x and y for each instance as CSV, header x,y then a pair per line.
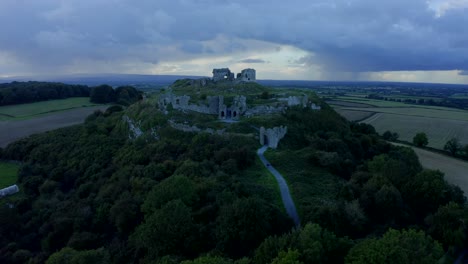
x,y
285,195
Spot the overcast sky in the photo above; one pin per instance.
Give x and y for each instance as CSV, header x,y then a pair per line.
x,y
395,40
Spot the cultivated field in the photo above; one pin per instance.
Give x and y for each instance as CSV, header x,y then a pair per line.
x,y
438,130
418,112
8,174
456,171
354,115
32,110
383,103
14,130
439,123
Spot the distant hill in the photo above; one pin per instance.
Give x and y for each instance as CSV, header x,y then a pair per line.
x,y
141,81
309,84
110,79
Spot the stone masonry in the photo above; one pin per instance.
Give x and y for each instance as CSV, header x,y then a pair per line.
x,y
272,136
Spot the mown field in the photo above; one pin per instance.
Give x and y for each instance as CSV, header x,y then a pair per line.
x,y
455,170
13,130
8,174
417,112
438,130
383,103
32,110
439,123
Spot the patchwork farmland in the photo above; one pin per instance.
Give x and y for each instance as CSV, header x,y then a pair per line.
x,y
439,123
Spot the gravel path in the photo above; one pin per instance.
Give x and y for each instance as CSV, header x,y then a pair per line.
x,y
285,195
13,130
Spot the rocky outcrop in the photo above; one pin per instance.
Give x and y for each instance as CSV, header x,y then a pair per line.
x,y
134,129
315,107
298,100
9,190
271,136
264,110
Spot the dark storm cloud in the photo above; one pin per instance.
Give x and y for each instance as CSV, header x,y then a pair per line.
x,y
342,35
253,61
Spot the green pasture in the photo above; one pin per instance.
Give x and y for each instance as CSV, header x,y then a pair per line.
x,y
8,174
26,111
460,96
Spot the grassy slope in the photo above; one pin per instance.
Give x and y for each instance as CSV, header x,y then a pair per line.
x,y
264,183
8,174
26,111
309,186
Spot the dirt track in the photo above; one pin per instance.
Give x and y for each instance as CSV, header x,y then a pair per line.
x,y
456,171
13,130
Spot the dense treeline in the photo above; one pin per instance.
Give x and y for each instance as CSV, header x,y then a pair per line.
x,y
91,195
124,95
84,187
28,92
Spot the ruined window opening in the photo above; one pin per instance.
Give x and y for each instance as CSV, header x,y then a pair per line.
x,y
177,101
265,140
234,114
222,113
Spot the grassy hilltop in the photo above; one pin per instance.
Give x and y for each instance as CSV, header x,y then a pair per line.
x,y
102,193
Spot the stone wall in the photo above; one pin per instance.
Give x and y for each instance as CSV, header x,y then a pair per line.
x,y
315,107
222,74
188,128
272,136
215,105
264,110
247,75
182,103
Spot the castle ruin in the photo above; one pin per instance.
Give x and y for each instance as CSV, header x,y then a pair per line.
x,y
222,74
246,75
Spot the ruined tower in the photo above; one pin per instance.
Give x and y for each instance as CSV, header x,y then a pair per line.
x,y
247,75
222,74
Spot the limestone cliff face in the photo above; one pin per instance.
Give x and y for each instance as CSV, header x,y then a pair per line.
x,y
272,136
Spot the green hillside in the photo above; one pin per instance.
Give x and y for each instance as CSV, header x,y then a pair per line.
x,y
127,187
